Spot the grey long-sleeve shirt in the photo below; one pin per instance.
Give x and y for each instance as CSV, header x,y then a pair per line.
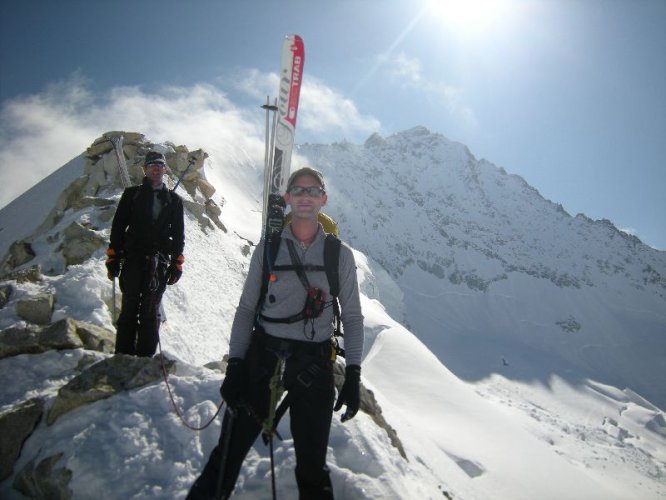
x,y
286,297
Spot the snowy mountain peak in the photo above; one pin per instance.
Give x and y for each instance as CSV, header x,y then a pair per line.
x,y
515,351
483,259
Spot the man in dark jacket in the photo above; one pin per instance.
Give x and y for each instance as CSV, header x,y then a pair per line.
x,y
280,343
146,251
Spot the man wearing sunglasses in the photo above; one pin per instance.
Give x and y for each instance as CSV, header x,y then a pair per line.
x,y
146,252
277,341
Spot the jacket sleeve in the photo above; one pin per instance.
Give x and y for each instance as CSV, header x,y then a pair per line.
x,y
120,222
350,304
241,329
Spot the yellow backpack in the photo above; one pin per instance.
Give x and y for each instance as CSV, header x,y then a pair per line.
x,y
330,226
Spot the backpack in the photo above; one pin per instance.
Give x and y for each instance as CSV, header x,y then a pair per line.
x,y
331,263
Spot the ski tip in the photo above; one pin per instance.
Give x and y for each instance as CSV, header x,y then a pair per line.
x,y
295,37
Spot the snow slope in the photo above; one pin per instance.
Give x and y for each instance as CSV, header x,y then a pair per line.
x,y
489,396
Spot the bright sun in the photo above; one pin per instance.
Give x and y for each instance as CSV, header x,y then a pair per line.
x,y
466,17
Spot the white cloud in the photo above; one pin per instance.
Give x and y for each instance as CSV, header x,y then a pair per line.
x,y
40,133
405,69
324,115
324,112
408,72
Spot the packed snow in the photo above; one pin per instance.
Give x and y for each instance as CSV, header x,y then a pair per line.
x,y
489,426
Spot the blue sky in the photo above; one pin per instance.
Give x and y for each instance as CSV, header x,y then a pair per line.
x,y
571,95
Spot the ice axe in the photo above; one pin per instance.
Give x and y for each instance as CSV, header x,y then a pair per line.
x,y
190,162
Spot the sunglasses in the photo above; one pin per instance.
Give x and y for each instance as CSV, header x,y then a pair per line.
x,y
312,191
160,165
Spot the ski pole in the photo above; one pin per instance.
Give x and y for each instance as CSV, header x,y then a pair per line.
x,y
113,299
268,154
189,164
229,420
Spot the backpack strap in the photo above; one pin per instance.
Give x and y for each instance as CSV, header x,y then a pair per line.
x,y
332,247
332,263
271,247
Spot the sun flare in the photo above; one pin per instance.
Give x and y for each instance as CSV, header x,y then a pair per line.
x,y
466,17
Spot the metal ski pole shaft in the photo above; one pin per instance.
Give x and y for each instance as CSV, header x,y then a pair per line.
x,y
189,164
113,300
268,156
274,109
273,487
229,417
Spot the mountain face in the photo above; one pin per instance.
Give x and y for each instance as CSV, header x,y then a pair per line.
x,y
493,272
512,348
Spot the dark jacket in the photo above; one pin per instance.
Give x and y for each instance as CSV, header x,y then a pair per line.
x,y
133,230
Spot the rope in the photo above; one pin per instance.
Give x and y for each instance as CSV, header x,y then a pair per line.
x,y
173,402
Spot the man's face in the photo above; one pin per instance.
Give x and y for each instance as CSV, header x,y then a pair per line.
x,y
305,197
155,172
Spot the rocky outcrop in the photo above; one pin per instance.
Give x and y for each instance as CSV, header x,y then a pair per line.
x,y
64,334
106,378
32,274
370,406
91,197
45,480
19,253
79,243
16,424
5,293
36,308
42,477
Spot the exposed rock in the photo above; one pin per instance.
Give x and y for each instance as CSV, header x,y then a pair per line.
x,y
103,144
31,274
45,481
370,406
65,201
105,214
206,188
5,293
375,141
80,243
184,161
15,341
90,201
106,378
64,334
16,425
220,366
198,210
36,308
213,211
19,253
71,334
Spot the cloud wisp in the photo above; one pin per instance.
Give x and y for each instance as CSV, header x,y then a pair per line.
x,y
407,71
324,114
39,133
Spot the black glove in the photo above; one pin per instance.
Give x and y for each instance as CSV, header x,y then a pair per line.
x,y
350,394
175,270
234,380
112,263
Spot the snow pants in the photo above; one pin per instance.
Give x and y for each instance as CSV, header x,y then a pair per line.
x,y
310,411
142,282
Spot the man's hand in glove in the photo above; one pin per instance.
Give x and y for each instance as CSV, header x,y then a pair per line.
x,y
234,382
112,263
350,394
175,270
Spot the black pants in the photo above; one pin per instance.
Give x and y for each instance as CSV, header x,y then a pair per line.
x,y
310,414
142,281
